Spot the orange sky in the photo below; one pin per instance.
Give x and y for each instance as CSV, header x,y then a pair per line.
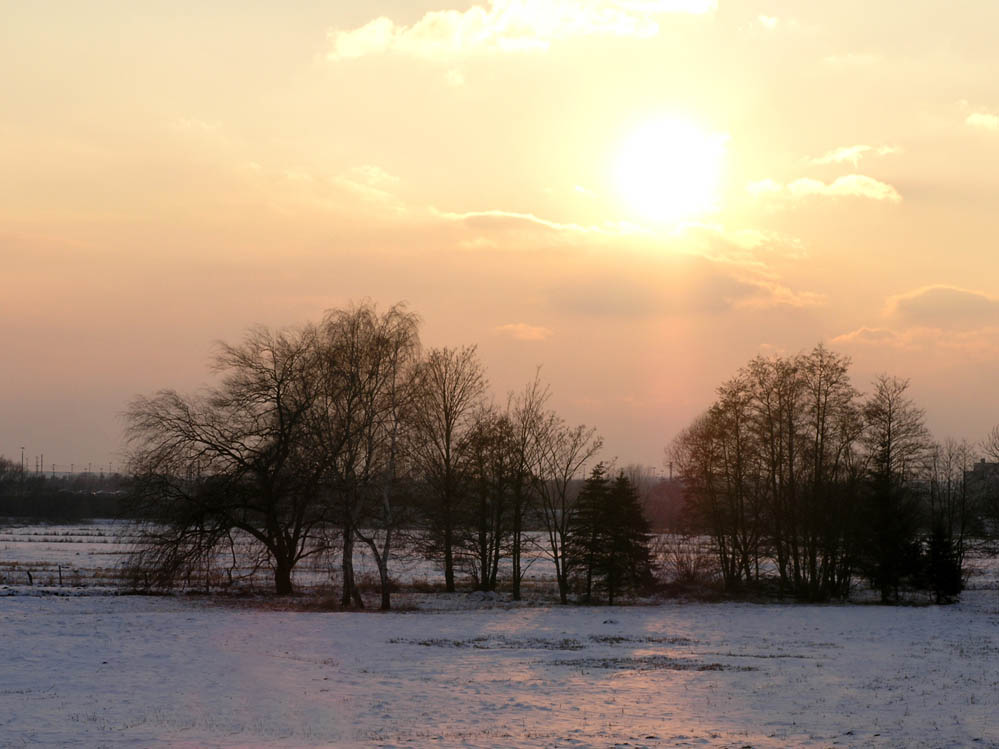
x,y
172,173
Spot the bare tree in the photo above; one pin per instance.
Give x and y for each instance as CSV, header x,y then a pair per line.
x,y
719,465
233,459
562,452
489,468
526,414
896,440
452,384
365,363
954,515
772,470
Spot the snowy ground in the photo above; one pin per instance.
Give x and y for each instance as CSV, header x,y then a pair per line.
x,y
89,556
134,671
103,670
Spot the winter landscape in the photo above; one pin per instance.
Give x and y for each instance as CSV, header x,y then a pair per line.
x,y
83,666
499,373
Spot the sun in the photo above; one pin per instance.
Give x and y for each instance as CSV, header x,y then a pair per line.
x,y
670,169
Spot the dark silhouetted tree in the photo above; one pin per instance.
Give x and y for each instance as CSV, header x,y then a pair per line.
x,y
451,385
896,441
234,459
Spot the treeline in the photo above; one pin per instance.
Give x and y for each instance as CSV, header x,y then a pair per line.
x,y
56,498
799,479
346,433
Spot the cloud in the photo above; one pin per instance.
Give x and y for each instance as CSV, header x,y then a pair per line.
x,y
924,341
508,26
365,190
512,220
868,336
944,307
524,332
768,22
724,268
936,317
850,186
368,182
744,246
983,120
853,154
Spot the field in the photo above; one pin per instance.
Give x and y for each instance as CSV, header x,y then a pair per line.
x,y
468,670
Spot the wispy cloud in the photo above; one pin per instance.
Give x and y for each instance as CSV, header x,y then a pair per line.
x,y
508,26
497,219
369,182
853,154
524,332
849,186
868,336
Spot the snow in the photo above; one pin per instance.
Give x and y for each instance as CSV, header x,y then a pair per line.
x,y
475,670
142,671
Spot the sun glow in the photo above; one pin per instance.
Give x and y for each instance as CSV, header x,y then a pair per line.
x,y
670,170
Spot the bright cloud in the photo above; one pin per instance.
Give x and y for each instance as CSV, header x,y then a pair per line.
x,y
524,332
983,120
850,186
853,154
508,26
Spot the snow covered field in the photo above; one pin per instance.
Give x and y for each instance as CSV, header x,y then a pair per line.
x,y
103,670
134,671
88,557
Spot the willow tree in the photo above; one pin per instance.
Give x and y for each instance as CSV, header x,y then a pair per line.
x,y
234,459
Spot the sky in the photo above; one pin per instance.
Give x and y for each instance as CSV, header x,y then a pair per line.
x,y
637,195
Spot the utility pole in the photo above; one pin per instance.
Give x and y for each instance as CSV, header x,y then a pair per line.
x,y
22,470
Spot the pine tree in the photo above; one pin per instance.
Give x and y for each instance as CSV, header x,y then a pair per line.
x,y
610,537
587,533
625,560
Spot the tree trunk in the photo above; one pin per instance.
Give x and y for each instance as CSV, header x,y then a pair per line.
x,y
448,557
383,582
282,578
349,595
382,561
515,553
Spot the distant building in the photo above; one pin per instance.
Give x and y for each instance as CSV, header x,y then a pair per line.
x,y
983,476
982,483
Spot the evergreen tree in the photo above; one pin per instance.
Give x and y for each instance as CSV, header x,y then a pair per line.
x,y
587,531
625,561
943,570
610,536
